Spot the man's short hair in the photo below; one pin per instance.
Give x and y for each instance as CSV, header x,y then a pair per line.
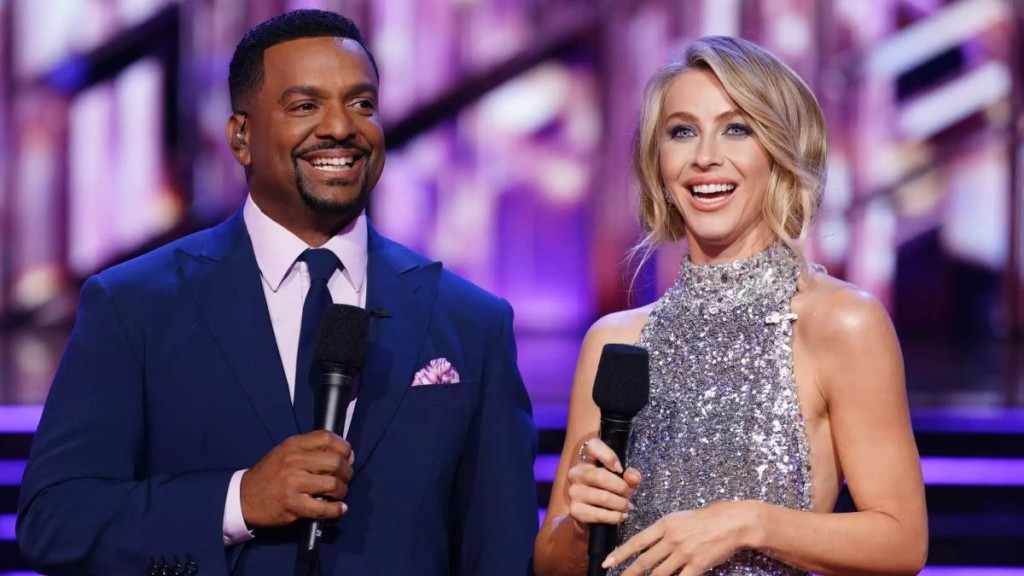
x,y
245,73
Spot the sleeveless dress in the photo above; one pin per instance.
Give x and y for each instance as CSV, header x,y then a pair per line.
x,y
723,421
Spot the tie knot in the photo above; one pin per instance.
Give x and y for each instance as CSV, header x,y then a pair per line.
x,y
321,261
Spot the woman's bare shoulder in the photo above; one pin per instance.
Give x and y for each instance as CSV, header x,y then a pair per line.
x,y
621,327
833,311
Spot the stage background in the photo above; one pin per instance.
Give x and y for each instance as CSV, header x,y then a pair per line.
x,y
508,124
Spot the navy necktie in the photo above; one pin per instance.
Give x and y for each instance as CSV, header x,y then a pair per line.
x,y
322,264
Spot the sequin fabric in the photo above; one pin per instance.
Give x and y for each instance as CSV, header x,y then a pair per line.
x,y
723,421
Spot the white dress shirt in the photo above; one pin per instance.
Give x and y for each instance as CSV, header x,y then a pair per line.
x,y
285,284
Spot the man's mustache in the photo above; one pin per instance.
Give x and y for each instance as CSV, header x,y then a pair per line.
x,y
332,145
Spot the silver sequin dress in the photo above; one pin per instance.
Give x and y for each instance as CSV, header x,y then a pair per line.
x,y
723,421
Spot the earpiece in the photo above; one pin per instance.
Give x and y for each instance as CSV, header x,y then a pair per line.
x,y
240,135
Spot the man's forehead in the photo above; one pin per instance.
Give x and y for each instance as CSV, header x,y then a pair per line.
x,y
301,48
319,60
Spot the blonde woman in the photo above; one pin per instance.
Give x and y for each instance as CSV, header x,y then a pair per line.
x,y
771,382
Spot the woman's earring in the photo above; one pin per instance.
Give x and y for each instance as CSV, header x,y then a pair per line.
x,y
664,192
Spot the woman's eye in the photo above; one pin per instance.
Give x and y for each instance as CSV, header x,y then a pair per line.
x,y
738,130
681,132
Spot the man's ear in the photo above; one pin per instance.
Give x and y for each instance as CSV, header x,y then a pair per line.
x,y
238,137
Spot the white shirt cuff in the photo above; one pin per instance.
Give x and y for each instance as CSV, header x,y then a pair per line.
x,y
234,528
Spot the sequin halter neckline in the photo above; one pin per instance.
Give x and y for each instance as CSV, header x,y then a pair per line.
x,y
723,421
732,283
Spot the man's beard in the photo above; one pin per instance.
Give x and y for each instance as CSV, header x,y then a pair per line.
x,y
330,206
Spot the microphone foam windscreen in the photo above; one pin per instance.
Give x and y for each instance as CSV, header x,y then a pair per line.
x,y
342,342
623,380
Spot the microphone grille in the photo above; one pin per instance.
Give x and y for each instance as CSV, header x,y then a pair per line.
x,y
623,380
343,339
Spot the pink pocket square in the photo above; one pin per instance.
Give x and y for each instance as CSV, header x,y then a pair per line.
x,y
438,371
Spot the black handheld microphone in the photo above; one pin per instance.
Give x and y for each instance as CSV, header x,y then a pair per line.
x,y
621,387
340,354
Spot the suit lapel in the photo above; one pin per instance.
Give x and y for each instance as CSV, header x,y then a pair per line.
x,y
406,289
225,280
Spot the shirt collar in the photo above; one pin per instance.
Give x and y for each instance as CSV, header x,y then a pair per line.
x,y
277,248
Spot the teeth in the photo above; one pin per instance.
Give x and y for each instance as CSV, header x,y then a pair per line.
x,y
712,188
332,164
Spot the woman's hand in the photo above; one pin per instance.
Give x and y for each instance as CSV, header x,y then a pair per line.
x,y
688,543
599,495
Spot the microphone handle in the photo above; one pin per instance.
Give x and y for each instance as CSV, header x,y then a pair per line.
x,y
615,433
336,388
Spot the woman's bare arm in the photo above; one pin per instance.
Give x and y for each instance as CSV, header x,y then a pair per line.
x,y
859,369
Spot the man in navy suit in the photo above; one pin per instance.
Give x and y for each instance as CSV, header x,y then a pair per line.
x,y
177,435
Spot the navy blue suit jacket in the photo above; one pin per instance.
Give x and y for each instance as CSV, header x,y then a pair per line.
x,y
171,381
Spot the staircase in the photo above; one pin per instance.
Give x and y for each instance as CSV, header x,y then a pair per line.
x,y
17,424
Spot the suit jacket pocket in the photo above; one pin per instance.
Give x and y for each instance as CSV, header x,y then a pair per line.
x,y
431,394
428,435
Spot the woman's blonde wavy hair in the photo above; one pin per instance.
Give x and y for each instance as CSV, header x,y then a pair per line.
x,y
787,121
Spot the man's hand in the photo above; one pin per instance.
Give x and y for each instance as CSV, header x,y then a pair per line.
x,y
282,486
